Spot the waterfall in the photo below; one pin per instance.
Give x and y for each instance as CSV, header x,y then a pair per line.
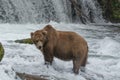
x,y
41,11
91,9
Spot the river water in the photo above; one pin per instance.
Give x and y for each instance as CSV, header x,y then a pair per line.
x,y
103,60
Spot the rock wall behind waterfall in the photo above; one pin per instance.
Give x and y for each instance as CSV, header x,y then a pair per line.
x,y
41,11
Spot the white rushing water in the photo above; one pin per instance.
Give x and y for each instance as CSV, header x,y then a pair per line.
x,y
42,11
103,61
32,11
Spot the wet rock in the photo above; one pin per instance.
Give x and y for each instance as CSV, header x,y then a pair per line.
x,y
25,41
1,51
77,13
111,9
25,76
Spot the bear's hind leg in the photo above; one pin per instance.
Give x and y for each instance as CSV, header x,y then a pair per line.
x,y
76,65
84,62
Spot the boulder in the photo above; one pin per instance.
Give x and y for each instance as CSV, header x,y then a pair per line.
x,y
111,10
25,41
1,51
25,76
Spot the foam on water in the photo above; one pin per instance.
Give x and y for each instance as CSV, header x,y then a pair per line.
x,y
109,47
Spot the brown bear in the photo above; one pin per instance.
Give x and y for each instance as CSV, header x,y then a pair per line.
x,y
65,45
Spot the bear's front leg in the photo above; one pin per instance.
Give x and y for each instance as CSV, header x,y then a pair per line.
x,y
48,54
48,59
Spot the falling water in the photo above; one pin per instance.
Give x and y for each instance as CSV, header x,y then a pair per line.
x,y
91,9
41,11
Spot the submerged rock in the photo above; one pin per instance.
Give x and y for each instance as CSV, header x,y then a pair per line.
x,y
25,76
1,51
26,41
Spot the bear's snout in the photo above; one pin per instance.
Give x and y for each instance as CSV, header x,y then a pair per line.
x,y
39,45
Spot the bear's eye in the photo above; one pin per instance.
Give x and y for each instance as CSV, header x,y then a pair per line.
x,y
41,40
35,42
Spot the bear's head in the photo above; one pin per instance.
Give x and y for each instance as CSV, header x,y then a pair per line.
x,y
39,38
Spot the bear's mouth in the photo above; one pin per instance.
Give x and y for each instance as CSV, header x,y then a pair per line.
x,y
40,47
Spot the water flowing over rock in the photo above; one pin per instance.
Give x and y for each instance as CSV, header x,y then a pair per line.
x,y
41,11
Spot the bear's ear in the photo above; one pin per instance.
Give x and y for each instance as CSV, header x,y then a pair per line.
x,y
32,34
44,32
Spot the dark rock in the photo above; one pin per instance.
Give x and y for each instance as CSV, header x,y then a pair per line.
x,y
77,13
1,51
111,10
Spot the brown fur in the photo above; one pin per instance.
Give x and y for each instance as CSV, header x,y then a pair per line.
x,y
64,45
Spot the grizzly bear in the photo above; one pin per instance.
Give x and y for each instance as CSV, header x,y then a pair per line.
x,y
65,45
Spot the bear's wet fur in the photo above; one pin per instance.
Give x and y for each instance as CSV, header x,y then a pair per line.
x,y
65,45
